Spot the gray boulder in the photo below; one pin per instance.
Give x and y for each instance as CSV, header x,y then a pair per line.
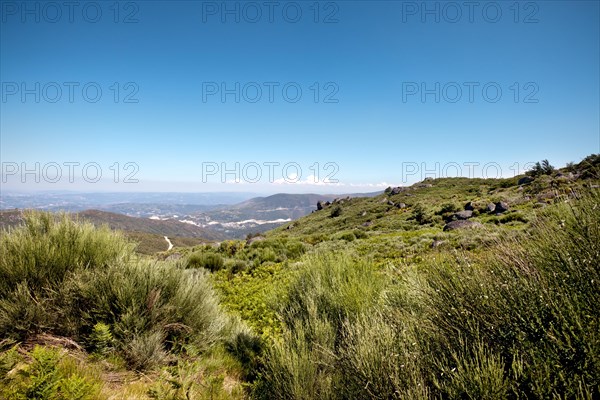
x,y
469,206
462,215
491,207
319,205
501,207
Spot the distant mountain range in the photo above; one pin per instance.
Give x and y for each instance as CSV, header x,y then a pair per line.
x,y
124,202
262,213
170,215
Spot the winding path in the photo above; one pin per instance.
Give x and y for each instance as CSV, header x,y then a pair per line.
x,y
169,242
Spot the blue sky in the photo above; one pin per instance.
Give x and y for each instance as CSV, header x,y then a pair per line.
x,y
391,92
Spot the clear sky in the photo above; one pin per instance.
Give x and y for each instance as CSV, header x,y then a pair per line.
x,y
369,94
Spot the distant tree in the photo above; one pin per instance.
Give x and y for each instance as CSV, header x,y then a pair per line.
x,y
547,169
543,168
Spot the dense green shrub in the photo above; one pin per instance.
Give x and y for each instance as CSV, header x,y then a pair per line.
x,y
210,261
236,266
47,247
336,212
70,279
448,208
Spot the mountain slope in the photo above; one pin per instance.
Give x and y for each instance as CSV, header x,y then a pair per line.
x,y
159,227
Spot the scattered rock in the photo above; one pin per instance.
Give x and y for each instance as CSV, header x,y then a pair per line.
x,y
461,224
368,223
319,205
384,200
437,243
469,206
400,205
525,180
491,207
363,214
462,215
390,203
292,226
327,203
501,207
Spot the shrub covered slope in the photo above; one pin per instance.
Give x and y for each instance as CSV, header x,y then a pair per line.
x,y
452,288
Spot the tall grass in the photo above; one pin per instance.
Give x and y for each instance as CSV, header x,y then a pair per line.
x,y
521,321
533,305
329,291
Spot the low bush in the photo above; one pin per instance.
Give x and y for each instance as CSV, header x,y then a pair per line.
x,y
207,260
335,212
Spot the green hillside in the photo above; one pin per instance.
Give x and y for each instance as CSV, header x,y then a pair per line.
x,y
450,288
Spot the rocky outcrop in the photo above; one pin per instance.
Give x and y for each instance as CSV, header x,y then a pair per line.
x,y
398,190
